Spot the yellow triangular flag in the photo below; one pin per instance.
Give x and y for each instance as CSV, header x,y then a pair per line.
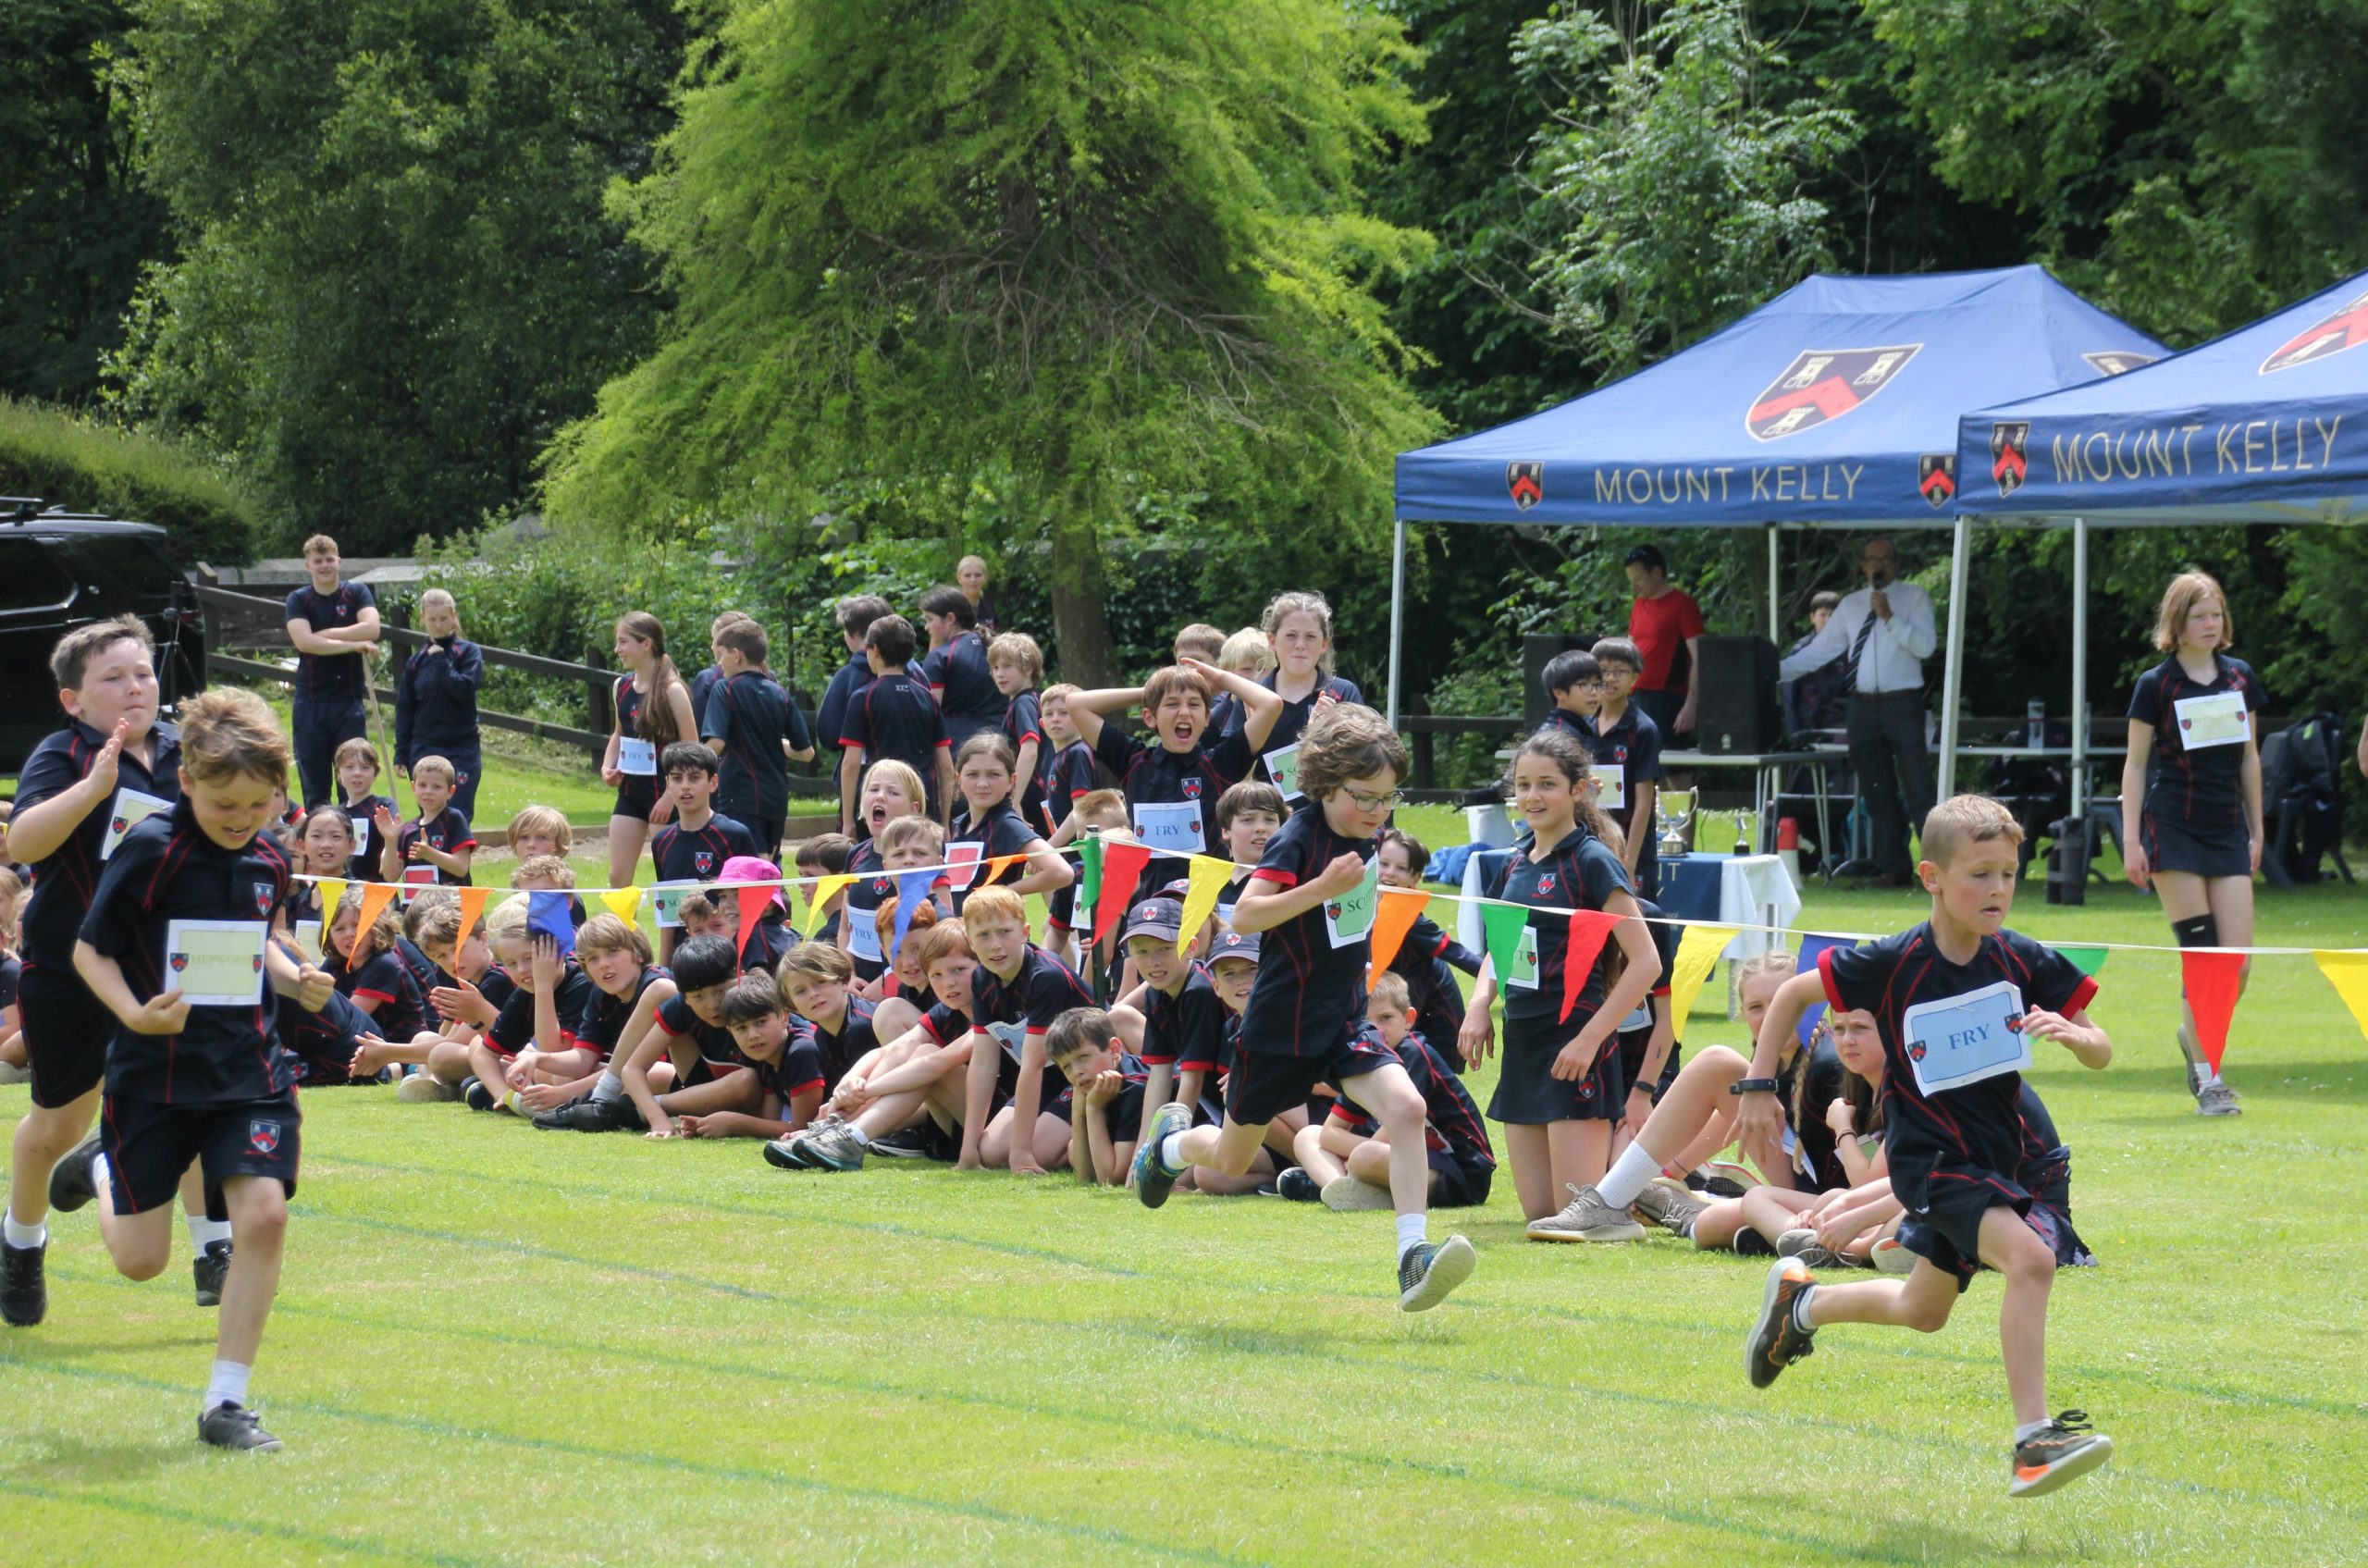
x,y
331,889
825,889
1209,876
2348,972
624,902
1697,951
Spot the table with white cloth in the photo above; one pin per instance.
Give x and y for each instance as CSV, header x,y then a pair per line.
x,y
1742,890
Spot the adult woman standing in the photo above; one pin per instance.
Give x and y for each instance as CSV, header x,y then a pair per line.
x,y
436,702
653,712
2190,793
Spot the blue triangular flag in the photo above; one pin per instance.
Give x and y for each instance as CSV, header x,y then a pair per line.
x,y
912,888
1810,948
548,915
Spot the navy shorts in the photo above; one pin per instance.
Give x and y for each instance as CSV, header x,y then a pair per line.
x,y
2172,845
66,1030
636,797
149,1145
1947,1231
1528,1095
1455,1185
1264,1084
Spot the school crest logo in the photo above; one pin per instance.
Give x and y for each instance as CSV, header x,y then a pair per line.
x,y
1332,910
1619,753
2118,362
1936,477
262,1137
263,892
180,962
703,860
2347,329
1191,789
1526,482
1916,1050
1545,885
120,825
2010,456
1822,384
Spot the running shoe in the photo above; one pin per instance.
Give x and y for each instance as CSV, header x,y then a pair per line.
x,y
1776,1341
1587,1217
1425,1274
236,1427
1152,1179
2059,1454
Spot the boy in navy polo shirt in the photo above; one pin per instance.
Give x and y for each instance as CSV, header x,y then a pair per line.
x,y
855,616
1573,684
1179,1030
694,845
1106,1096
437,839
1314,896
1945,996
752,723
80,791
332,626
1017,665
1172,787
957,666
177,947
1627,747
894,718
1017,985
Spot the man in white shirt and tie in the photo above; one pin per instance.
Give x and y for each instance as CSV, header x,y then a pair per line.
x,y
1883,633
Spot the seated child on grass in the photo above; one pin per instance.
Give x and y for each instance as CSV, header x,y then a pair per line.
x,y
919,1073
526,1036
615,956
1346,1160
1105,1094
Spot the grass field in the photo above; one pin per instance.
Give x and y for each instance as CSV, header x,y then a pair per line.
x,y
499,1345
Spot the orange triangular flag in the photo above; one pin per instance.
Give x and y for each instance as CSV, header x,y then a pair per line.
x,y
1401,907
472,908
752,909
2213,980
375,896
996,866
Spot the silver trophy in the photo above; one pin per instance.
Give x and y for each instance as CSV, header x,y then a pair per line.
x,y
1674,809
1744,823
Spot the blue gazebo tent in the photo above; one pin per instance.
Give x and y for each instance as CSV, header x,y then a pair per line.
x,y
1836,403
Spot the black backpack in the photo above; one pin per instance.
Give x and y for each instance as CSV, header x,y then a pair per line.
x,y
2300,793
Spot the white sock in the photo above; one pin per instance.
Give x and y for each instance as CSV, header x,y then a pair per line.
x,y
229,1384
1801,1310
1629,1176
99,1172
862,1139
1171,1155
2028,1431
203,1232
1413,1229
610,1087
33,1235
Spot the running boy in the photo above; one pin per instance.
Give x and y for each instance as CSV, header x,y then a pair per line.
x,y
201,1077
1946,995
1314,896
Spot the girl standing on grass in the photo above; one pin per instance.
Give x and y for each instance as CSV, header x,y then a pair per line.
x,y
1559,1091
436,702
653,712
2191,794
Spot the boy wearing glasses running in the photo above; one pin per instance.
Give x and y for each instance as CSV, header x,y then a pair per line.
x,y
1314,897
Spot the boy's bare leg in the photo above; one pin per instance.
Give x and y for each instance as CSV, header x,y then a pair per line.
x,y
258,1208
41,1139
141,1245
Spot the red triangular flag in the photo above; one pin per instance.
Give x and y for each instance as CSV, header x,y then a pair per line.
x,y
752,909
2211,982
1585,938
1122,867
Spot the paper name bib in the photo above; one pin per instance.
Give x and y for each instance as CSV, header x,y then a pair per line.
x,y
1524,970
1282,767
2217,720
215,963
636,757
962,865
132,808
1008,1036
1169,827
1348,919
863,937
666,902
1962,1040
1610,786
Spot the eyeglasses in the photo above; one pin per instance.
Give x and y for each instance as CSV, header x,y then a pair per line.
x,y
1364,802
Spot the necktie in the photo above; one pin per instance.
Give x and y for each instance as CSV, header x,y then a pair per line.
x,y
1858,649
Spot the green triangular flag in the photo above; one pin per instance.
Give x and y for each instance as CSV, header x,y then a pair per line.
x,y
1089,876
1505,923
2089,960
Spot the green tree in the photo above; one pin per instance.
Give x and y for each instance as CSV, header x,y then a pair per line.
x,y
398,278
1097,252
77,225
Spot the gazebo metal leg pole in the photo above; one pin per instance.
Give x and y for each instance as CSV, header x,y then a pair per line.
x,y
1397,614
2080,668
1774,563
1953,673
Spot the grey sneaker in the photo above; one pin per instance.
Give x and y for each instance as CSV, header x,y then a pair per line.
x,y
1346,1194
1890,1258
234,1428
2216,1100
1425,1274
1670,1205
831,1145
424,1088
1805,1245
1587,1217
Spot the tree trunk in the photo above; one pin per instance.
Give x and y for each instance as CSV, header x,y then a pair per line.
x,y
1080,620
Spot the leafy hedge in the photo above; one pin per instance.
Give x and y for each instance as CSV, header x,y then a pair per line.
x,y
71,461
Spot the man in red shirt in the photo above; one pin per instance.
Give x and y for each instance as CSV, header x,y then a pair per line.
x,y
1663,623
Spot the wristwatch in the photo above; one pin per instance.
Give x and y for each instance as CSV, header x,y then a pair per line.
x,y
1752,1086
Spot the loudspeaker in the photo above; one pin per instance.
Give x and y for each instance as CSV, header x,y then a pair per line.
x,y
1537,650
1735,704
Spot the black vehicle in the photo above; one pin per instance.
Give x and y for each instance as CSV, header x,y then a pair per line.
x,y
58,570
